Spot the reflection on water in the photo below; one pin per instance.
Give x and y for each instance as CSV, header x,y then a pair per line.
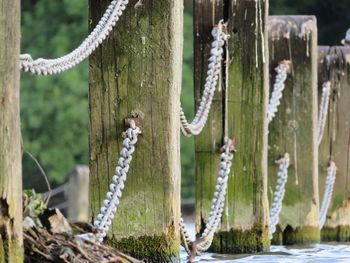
x,y
332,253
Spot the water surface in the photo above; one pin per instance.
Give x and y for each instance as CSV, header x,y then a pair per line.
x,y
330,253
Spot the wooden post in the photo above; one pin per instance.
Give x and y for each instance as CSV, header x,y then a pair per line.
x,y
137,72
78,194
11,244
244,227
334,66
293,130
209,142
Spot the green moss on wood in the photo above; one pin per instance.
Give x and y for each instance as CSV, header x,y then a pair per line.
x,y
240,241
293,128
329,234
301,235
247,93
338,234
11,251
155,248
138,69
334,66
277,238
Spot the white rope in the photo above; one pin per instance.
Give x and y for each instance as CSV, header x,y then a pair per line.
x,y
328,191
185,237
110,204
282,71
214,70
332,169
98,35
346,40
323,110
276,207
217,207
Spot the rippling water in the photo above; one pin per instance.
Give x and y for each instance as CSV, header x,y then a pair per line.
x,y
333,253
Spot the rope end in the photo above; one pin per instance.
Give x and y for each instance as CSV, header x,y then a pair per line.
x,y
287,64
229,145
134,122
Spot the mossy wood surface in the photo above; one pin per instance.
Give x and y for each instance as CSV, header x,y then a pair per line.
x,y
209,142
334,66
244,224
137,71
293,130
11,244
246,215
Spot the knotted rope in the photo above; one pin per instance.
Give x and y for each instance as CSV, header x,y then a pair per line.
x,y
214,70
110,204
278,196
204,241
328,191
43,66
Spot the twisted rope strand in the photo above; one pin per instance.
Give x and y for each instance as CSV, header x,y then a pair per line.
x,y
185,237
217,207
276,206
43,66
323,111
282,71
214,69
328,192
332,169
110,204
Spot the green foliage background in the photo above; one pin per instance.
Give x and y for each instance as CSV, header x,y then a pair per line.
x,y
54,110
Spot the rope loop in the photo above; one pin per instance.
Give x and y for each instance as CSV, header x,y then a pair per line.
x,y
43,66
217,207
214,70
110,204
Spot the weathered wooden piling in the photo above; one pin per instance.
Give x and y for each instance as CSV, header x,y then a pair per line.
x,y
208,143
137,73
244,225
293,130
11,244
334,66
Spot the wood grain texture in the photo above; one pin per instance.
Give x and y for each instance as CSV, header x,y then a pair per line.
x,y
207,14
11,244
293,130
334,66
244,224
138,71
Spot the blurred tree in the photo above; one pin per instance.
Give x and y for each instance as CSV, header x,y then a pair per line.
x,y
53,109
187,100
332,16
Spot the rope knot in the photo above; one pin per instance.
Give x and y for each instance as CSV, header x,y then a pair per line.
x,y
220,30
284,159
287,65
229,146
